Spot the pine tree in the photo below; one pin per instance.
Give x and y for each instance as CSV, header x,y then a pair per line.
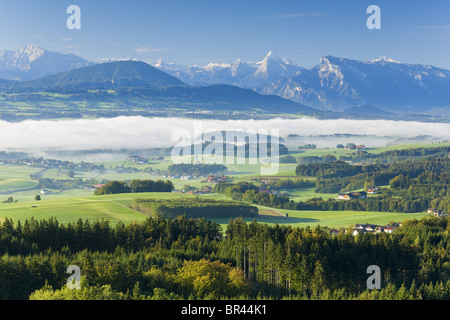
x,y
317,281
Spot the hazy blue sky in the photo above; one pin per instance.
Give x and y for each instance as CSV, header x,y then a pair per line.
x,y
202,31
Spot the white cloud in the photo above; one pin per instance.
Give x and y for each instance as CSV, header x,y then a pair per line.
x,y
140,132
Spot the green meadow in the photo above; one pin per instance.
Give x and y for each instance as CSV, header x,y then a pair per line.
x,y
115,208
69,210
14,177
71,204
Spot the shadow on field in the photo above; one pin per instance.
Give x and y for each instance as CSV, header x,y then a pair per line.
x,y
284,220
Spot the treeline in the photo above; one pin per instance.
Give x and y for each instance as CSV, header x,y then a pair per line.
x,y
398,155
376,204
8,155
190,259
183,169
247,147
340,176
327,170
408,200
317,159
136,185
278,184
33,236
194,208
250,193
388,203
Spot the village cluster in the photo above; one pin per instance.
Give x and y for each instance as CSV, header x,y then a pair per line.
x,y
372,228
437,213
50,163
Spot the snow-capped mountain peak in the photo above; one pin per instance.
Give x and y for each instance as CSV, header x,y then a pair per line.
x,y
274,68
212,66
383,59
21,58
334,83
30,52
339,83
107,60
271,56
271,59
31,62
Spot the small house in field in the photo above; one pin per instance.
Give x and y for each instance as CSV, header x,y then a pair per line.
x,y
334,232
437,213
352,195
389,229
358,231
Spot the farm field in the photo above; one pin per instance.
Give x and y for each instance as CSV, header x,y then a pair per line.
x,y
69,210
68,205
330,219
337,219
14,177
115,208
408,146
308,193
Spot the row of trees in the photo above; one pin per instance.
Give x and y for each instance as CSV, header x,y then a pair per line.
x,y
278,184
343,176
185,169
195,208
397,155
33,236
327,170
136,185
419,182
317,159
249,193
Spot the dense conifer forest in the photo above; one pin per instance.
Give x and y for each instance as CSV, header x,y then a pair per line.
x,y
183,258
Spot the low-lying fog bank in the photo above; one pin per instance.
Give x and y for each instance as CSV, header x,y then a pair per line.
x,y
138,132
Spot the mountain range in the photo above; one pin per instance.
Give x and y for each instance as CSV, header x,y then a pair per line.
x,y
251,75
128,84
334,84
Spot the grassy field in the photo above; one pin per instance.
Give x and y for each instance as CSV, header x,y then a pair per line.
x,y
70,205
70,210
337,219
14,177
331,219
308,193
115,208
409,146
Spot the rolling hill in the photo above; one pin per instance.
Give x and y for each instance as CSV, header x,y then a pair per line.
x,y
136,80
103,76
